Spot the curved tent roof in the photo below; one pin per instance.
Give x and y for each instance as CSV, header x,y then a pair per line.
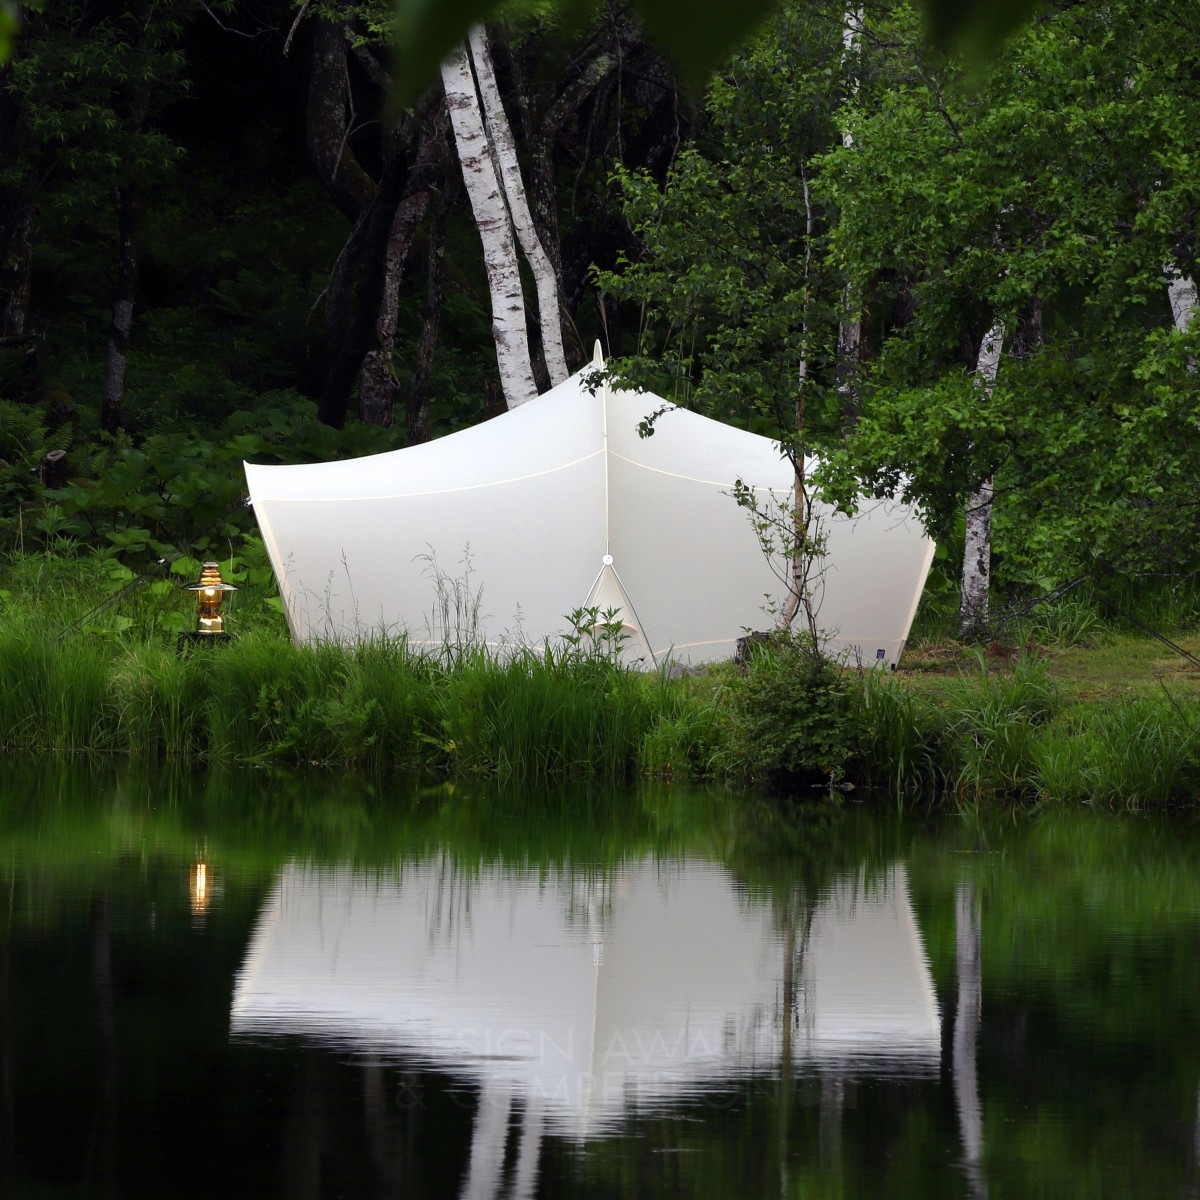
x,y
498,533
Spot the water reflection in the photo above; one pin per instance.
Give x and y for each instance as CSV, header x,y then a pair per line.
x,y
968,940
574,997
649,994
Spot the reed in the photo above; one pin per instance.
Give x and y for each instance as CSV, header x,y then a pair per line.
x,y
1139,751
160,700
991,723
53,695
544,714
692,732
903,744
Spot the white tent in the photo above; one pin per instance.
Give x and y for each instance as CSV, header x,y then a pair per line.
x,y
499,532
655,984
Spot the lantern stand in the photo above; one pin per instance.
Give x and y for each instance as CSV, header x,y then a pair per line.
x,y
210,591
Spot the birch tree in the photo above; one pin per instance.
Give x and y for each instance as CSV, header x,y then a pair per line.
x,y
977,548
493,220
500,135
968,957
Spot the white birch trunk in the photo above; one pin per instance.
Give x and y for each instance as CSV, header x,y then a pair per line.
x,y
1181,291
977,551
525,1173
495,230
852,23
500,134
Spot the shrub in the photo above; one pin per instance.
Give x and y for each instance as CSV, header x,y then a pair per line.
x,y
796,718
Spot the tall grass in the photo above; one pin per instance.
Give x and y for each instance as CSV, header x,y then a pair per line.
x,y
991,725
101,685
1014,736
52,696
545,713
160,699
1139,751
259,699
902,746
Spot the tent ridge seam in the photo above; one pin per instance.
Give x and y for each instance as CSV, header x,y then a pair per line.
x,y
677,475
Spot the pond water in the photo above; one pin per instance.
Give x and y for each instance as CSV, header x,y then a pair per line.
x,y
288,985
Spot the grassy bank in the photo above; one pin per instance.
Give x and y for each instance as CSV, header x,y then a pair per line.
x,y
1102,717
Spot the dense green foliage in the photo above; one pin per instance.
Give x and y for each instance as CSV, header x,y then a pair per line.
x,y
888,188
698,34
837,175
1050,199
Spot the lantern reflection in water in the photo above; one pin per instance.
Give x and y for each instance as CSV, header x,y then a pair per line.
x,y
200,889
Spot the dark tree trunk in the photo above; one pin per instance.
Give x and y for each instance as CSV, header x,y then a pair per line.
x,y
54,469
417,415
112,415
16,268
356,295
377,378
327,123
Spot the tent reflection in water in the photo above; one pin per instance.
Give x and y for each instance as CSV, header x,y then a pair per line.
x,y
581,998
497,533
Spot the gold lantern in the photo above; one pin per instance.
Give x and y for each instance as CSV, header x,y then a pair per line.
x,y
210,590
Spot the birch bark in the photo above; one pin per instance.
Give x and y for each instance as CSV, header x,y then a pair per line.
x,y
1181,291
977,551
500,135
495,230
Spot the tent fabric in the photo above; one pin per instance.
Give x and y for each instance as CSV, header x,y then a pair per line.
x,y
499,533
660,982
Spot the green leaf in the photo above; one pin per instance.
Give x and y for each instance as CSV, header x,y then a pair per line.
x,y
8,27
698,34
189,568
977,27
425,32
